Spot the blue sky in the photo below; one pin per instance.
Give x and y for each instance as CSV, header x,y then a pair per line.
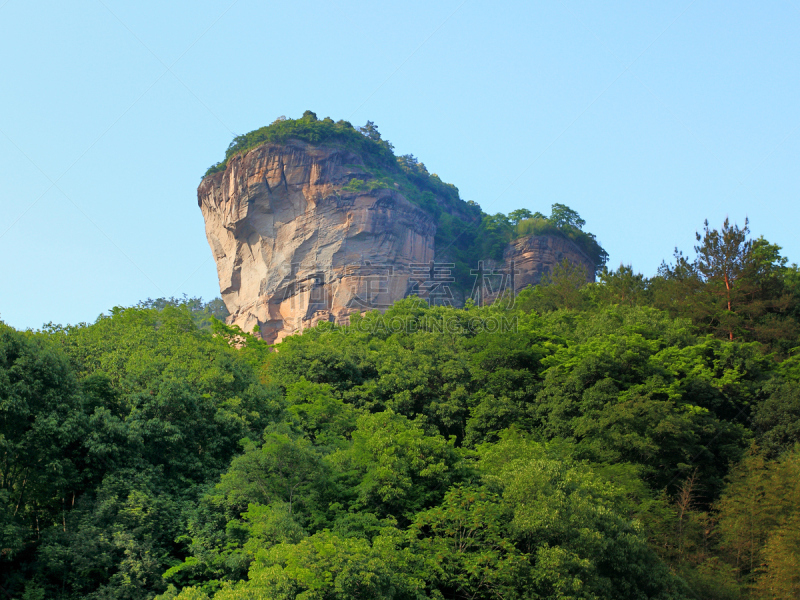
x,y
646,118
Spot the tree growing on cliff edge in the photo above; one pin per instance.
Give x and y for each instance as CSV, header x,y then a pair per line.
x,y
515,216
561,215
370,130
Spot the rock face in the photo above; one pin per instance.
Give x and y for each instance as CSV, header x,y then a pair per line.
x,y
293,247
296,243
535,255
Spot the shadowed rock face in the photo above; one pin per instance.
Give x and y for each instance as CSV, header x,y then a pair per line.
x,y
293,247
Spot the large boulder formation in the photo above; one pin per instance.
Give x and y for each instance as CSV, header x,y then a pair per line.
x,y
294,247
303,233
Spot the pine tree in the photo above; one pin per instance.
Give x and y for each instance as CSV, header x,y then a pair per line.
x,y
725,261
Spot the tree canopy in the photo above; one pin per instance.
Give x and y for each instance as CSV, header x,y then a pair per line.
x,y
603,440
582,440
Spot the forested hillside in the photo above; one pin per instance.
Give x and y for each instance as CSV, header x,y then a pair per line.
x,y
634,438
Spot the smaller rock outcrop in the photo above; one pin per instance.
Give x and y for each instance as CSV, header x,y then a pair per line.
x,y
534,256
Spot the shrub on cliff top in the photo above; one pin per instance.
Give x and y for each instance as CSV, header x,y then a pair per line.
x,y
585,241
404,172
366,141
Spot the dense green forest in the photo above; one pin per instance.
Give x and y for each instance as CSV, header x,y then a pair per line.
x,y
633,438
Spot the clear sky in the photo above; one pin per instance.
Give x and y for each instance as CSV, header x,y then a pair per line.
x,y
645,117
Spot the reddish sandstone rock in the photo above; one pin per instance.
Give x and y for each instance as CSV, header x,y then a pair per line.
x,y
293,247
296,244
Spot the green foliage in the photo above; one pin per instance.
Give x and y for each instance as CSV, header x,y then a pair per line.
x,y
323,417
42,423
776,420
563,216
308,128
327,567
515,216
560,288
622,286
758,512
467,243
468,549
282,469
736,287
113,430
402,470
418,174
573,523
563,222
203,313
594,446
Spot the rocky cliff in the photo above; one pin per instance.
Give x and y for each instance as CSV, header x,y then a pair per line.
x,y
304,233
534,256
